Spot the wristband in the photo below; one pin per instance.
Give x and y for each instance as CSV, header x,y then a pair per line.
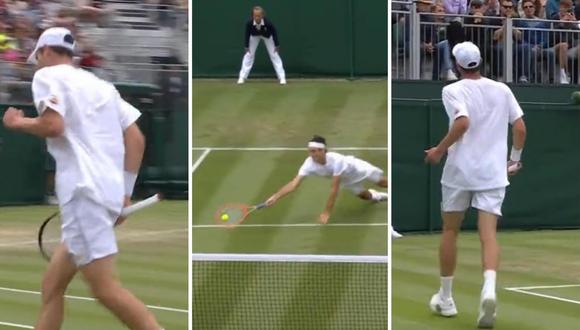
x,y
516,154
130,179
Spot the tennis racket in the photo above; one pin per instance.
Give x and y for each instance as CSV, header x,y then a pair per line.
x,y
233,214
49,235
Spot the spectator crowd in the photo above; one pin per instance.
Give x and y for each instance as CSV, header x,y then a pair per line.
x,y
545,36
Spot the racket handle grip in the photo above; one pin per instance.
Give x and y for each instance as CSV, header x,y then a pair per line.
x,y
140,205
261,206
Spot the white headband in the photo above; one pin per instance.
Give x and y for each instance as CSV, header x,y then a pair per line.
x,y
318,145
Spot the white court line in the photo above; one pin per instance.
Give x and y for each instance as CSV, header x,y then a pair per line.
x,y
161,308
543,296
16,325
281,149
200,158
299,225
544,287
119,237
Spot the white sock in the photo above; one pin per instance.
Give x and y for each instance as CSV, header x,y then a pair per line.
x,y
489,280
563,72
378,196
446,285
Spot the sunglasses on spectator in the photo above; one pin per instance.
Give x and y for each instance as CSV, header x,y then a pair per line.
x,y
508,6
530,6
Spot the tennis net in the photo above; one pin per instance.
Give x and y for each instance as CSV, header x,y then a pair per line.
x,y
302,292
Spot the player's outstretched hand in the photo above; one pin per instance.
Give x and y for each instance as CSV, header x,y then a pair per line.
x,y
121,219
433,156
11,117
271,201
513,167
323,218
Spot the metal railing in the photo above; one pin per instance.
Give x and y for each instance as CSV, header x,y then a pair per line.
x,y
541,51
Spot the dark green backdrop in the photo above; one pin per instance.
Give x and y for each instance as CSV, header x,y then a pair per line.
x,y
322,37
23,158
546,194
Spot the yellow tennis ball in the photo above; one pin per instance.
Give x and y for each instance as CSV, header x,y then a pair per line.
x,y
225,217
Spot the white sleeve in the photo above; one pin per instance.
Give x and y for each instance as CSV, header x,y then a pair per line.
x,y
305,168
453,105
128,114
339,166
515,110
48,93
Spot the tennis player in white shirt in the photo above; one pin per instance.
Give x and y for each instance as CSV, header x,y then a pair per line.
x,y
346,171
476,171
91,133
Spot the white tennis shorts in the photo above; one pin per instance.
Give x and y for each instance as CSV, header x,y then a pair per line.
x,y
87,230
372,174
457,200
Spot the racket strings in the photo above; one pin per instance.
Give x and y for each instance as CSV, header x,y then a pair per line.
x,y
231,215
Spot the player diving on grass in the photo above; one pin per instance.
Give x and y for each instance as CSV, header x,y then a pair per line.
x,y
346,171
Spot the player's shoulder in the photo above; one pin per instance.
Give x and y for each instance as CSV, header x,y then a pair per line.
x,y
55,73
335,156
46,72
498,87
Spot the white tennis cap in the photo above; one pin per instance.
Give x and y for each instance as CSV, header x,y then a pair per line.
x,y
56,36
467,55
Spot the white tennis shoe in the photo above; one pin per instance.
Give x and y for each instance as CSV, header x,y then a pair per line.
x,y
487,309
442,307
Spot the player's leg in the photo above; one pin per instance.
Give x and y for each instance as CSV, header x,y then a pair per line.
x,y
94,254
373,195
106,288
59,273
276,59
248,60
489,204
383,182
374,175
453,206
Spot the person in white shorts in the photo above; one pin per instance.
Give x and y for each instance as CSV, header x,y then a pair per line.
x,y
92,134
260,28
476,171
347,172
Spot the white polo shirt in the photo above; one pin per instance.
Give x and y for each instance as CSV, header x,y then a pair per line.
x,y
90,154
478,161
349,168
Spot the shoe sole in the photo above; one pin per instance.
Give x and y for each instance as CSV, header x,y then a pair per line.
x,y
436,308
487,320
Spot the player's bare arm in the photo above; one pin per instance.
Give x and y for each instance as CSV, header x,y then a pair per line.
x,y
331,200
288,188
48,125
134,149
519,139
459,127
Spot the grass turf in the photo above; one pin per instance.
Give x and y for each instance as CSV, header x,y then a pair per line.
x,y
152,264
264,114
540,258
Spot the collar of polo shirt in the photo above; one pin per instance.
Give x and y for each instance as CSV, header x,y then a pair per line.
x,y
261,23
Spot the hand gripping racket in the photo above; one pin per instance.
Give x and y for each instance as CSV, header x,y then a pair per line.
x,y
49,235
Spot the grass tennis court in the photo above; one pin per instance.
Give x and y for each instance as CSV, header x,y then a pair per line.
x,y
152,264
275,122
533,268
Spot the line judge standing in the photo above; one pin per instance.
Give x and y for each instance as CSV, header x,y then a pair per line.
x,y
259,28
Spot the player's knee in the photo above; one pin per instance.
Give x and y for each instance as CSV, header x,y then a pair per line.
x,y
451,229
383,182
105,293
52,291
